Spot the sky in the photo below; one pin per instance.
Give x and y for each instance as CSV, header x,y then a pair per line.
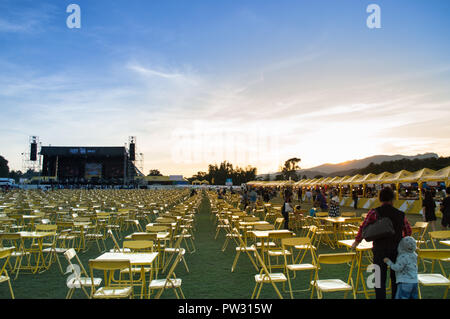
x,y
254,82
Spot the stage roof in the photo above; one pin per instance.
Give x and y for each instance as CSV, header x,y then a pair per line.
x,y
91,151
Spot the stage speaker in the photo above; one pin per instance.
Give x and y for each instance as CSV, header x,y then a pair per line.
x,y
33,152
132,151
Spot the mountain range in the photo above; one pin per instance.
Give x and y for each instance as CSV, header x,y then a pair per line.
x,y
346,168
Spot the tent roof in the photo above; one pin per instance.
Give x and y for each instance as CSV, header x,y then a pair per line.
x,y
415,176
396,177
378,178
362,179
438,176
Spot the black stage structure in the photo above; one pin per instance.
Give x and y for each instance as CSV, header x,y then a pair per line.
x,y
88,165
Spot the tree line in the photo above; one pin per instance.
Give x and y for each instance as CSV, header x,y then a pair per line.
x,y
218,174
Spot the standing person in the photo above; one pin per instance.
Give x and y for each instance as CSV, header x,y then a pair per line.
x,y
445,209
355,199
300,193
385,247
321,200
244,199
285,210
429,207
287,193
308,195
253,196
334,205
405,268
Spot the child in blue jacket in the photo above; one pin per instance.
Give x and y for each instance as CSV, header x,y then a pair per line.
x,y
405,268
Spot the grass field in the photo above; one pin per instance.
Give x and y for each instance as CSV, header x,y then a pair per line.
x,y
209,277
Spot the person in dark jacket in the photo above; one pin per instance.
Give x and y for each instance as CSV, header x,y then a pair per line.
x,y
445,209
429,207
355,199
300,193
385,247
285,210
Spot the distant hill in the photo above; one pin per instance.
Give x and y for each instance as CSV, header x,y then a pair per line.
x,y
351,167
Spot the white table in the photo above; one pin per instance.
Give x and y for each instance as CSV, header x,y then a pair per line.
x,y
137,260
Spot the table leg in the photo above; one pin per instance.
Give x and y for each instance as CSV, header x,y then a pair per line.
x,y
40,255
358,273
143,288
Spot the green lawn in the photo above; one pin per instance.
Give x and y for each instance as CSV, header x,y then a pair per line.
x,y
209,277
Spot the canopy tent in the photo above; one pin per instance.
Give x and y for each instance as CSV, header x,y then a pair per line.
x,y
362,179
317,182
416,176
325,181
301,182
396,177
442,175
378,179
333,179
337,181
350,180
309,182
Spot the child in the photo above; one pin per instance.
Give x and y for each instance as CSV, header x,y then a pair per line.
x,y
405,269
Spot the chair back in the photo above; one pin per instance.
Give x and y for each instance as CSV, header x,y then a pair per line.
x,y
139,245
150,237
264,227
434,254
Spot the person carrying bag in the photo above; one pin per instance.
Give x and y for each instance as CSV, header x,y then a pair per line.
x,y
385,226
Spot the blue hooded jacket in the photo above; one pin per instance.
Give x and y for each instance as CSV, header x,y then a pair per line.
x,y
405,266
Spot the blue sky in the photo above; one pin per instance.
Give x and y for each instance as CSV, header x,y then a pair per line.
x,y
253,82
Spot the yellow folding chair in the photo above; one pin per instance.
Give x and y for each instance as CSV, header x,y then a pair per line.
x,y
434,279
5,253
113,289
333,285
265,277
80,278
170,282
288,244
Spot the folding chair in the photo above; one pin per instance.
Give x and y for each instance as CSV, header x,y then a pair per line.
x,y
112,289
242,247
434,279
76,281
18,252
5,253
438,235
175,250
170,282
333,285
288,244
116,248
265,276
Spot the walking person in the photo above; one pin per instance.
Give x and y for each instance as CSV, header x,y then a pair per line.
x,y
300,194
253,196
429,208
385,247
355,199
334,205
285,210
445,209
405,268
322,200
308,195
